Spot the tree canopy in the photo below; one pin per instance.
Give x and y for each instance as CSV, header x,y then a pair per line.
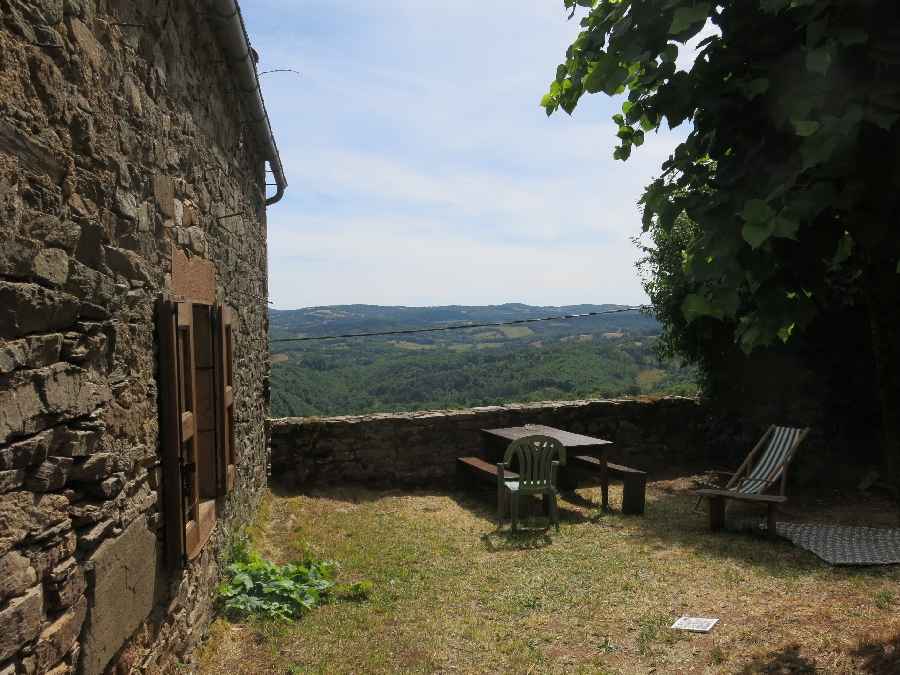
x,y
791,170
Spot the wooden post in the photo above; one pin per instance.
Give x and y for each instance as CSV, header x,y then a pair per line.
x,y
634,490
604,482
715,512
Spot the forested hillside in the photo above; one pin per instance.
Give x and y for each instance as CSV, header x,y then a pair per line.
x,y
602,356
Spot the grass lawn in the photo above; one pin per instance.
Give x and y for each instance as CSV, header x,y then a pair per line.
x,y
451,594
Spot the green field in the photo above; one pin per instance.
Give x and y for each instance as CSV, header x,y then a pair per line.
x,y
603,356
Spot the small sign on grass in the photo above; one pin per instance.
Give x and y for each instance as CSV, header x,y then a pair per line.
x,y
695,625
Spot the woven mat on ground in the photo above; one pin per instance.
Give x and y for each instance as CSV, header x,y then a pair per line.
x,y
840,545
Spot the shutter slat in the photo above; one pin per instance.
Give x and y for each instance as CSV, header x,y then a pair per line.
x,y
187,426
171,430
224,378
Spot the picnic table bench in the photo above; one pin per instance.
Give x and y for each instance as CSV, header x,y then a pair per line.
x,y
467,467
634,482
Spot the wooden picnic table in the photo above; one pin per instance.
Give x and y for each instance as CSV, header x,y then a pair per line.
x,y
576,444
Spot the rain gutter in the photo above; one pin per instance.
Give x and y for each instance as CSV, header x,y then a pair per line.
x,y
234,39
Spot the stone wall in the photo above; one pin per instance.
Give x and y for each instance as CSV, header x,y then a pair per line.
x,y
120,136
420,448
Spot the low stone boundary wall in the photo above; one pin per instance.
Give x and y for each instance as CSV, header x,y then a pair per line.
x,y
419,449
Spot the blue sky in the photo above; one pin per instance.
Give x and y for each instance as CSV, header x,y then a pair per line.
x,y
421,169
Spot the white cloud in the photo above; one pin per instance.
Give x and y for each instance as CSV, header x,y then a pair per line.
x,y
422,170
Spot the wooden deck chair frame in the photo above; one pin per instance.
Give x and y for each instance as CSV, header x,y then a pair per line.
x,y
779,471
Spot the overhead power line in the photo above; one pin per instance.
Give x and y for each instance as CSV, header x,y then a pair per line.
x,y
470,325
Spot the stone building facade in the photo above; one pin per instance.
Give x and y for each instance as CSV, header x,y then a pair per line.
x,y
132,175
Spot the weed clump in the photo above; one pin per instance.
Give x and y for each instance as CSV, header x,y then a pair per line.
x,y
255,586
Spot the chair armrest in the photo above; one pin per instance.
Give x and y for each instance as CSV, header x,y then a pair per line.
x,y
554,465
723,473
501,473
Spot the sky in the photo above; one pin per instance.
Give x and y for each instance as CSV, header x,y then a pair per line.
x,y
421,169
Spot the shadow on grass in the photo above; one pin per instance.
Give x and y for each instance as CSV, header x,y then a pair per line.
x,y
669,520
874,656
352,493
880,655
786,661
523,540
483,504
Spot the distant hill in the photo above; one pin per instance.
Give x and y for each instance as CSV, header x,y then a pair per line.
x,y
599,356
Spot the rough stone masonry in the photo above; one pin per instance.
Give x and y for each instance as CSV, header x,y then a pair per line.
x,y
419,449
121,137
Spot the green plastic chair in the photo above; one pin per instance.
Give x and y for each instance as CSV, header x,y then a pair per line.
x,y
537,475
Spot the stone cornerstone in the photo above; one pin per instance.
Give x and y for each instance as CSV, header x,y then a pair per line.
x,y
122,143
419,449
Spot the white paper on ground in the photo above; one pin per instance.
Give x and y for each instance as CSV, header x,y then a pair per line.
x,y
695,625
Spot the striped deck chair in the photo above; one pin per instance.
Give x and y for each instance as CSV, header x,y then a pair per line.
x,y
746,482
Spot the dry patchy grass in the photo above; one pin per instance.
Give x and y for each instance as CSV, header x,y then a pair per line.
x,y
453,595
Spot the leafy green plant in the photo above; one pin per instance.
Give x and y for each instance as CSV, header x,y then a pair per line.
x,y
356,592
883,598
256,586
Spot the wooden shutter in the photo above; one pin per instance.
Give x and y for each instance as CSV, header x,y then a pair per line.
x,y
189,510
177,402
226,459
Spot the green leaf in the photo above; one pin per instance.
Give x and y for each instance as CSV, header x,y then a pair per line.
x,y
818,148
755,233
725,302
773,6
695,306
756,210
845,246
621,27
784,228
814,32
883,117
754,87
546,100
785,333
818,60
805,127
669,53
685,17
646,124
850,36
606,76
799,108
